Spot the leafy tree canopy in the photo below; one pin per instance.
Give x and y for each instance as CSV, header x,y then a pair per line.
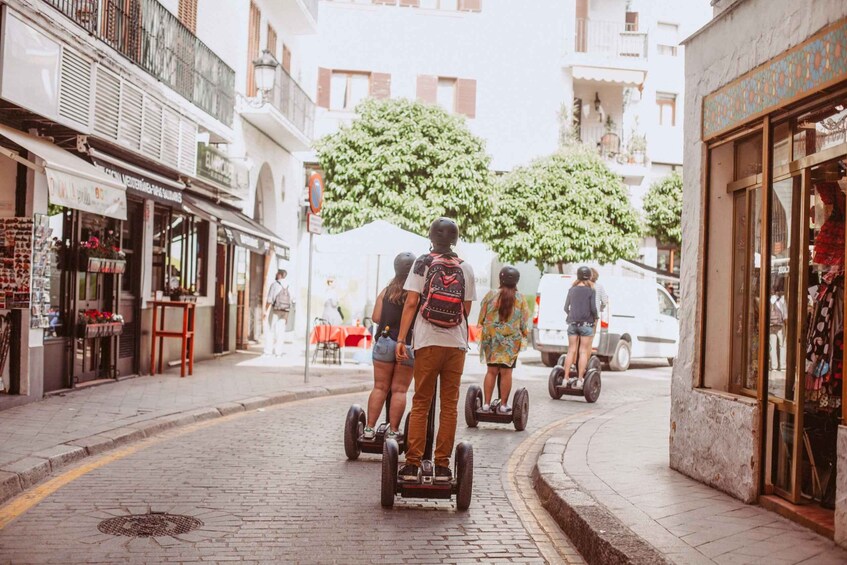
x,y
663,209
406,163
565,208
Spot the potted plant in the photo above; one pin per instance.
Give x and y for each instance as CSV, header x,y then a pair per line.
x,y
94,323
182,294
638,147
103,255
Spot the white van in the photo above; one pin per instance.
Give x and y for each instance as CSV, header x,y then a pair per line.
x,y
639,322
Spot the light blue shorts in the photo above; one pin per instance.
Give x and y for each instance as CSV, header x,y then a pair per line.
x,y
385,350
581,330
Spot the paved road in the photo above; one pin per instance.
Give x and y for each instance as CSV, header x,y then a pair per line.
x,y
274,486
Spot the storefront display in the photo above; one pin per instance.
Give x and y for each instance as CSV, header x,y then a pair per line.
x,y
15,262
41,246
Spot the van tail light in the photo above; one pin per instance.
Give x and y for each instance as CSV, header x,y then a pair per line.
x,y
604,324
537,308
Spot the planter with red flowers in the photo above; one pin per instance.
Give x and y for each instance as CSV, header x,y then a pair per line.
x,y
102,256
94,323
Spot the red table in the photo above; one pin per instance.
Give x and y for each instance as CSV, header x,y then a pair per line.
x,y
344,336
186,334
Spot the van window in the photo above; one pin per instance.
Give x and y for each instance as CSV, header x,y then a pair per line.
x,y
666,306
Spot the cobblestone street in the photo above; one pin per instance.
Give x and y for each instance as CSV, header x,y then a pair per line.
x,y
274,486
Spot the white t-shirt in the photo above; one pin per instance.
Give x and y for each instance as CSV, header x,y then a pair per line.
x,y
427,334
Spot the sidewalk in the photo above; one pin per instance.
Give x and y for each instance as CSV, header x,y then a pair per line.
x,y
607,481
42,436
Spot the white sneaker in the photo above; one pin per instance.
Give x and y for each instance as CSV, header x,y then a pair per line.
x,y
368,433
504,409
579,383
486,408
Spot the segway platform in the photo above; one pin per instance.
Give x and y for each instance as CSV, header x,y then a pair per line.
x,y
475,414
461,485
354,428
558,385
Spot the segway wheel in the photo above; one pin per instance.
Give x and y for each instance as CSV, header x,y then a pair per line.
x,y
591,387
594,364
390,454
352,430
557,377
464,475
472,398
520,409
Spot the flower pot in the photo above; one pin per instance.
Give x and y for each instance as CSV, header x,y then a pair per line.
x,y
184,298
93,264
105,329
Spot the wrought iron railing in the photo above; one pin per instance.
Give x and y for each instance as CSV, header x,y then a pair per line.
x,y
610,39
150,36
608,141
293,102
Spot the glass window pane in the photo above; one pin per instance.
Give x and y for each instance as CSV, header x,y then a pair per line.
x,y
748,156
338,91
446,94
449,4
751,375
739,287
161,219
781,377
821,129
359,90
58,219
781,145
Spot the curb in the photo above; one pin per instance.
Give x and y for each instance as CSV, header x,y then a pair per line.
x,y
17,477
596,533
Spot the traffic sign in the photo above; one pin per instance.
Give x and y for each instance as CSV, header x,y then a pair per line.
x,y
314,224
316,193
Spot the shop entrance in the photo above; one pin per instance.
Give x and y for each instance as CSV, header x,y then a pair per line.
x,y
223,289
130,291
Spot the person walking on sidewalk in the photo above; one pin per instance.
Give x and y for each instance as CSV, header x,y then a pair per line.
x,y
390,373
277,308
504,317
581,310
440,291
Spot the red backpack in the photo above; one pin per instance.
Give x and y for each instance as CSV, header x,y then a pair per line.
x,y
444,291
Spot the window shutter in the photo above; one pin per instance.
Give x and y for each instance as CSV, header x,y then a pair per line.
x,y
324,80
410,3
470,5
253,33
466,97
380,85
632,21
271,43
427,88
187,14
286,58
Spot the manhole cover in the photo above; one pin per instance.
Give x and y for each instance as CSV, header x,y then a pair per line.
x,y
149,525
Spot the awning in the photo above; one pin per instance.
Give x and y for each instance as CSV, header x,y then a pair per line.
x,y
139,182
71,181
246,231
626,77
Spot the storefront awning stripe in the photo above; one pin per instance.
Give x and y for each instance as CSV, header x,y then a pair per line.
x,y
622,76
236,221
71,181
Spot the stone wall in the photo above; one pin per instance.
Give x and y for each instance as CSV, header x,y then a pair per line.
x,y
715,436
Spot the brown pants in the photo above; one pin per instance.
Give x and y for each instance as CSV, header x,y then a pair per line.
x,y
430,362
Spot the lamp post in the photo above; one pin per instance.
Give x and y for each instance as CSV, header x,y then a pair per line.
x,y
264,73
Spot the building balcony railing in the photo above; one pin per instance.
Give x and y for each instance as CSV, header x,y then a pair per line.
x,y
293,102
609,39
150,36
611,144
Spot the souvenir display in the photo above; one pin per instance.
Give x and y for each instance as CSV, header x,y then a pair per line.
x,y
15,262
40,293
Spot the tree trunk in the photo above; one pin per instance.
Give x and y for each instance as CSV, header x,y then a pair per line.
x,y
561,267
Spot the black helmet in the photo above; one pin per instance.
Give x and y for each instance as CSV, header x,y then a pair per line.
x,y
403,264
583,274
509,276
444,231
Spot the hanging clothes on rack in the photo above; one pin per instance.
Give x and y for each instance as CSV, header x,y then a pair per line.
x,y
823,380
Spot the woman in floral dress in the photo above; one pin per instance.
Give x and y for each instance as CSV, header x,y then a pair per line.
x,y
504,317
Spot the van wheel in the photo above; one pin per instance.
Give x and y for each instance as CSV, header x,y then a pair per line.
x,y
549,359
623,354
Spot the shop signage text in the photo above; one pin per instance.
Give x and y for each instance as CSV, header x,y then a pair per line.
x,y
142,186
214,165
81,194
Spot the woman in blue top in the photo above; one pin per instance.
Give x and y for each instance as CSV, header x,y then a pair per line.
x,y
390,373
581,309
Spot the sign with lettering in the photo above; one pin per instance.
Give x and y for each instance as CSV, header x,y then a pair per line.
x,y
214,165
83,194
141,186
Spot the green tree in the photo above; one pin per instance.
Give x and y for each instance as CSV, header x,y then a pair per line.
x,y
564,208
406,163
663,209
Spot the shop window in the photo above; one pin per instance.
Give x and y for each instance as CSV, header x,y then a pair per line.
x,y
667,108
180,251
59,220
748,156
821,129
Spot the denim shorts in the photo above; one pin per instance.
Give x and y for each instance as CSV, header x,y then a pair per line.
x,y
582,330
385,351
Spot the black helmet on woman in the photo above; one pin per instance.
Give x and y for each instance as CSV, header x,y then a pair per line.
x,y
509,276
583,273
403,264
444,231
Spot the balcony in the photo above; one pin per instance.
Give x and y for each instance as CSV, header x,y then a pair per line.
x,y
609,52
150,36
615,150
299,17
287,114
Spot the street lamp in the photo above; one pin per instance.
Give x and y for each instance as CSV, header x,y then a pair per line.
x,y
264,73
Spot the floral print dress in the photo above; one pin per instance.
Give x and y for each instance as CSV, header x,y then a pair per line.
x,y
500,342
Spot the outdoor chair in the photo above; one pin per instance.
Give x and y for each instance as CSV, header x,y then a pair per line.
x,y
328,348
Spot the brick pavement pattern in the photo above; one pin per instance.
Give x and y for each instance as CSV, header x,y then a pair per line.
x,y
274,486
620,458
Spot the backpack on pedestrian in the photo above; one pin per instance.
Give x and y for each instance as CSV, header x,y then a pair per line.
x,y
776,316
282,300
444,291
